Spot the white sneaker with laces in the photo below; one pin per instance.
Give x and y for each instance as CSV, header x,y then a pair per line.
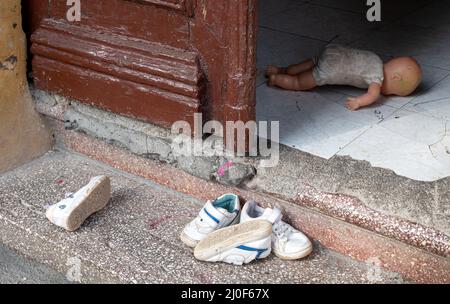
x,y
215,215
239,244
287,242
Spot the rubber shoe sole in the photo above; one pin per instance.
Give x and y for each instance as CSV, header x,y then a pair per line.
x,y
188,241
93,201
290,257
231,237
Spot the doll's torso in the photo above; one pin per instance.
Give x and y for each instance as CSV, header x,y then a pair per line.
x,y
340,65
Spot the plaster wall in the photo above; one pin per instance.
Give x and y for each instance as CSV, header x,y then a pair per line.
x,y
23,134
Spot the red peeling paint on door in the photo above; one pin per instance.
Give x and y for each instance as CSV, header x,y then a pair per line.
x,y
156,60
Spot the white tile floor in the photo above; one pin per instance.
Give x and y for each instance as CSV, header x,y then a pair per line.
x,y
411,135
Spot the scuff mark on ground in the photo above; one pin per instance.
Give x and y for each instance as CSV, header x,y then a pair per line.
x,y
155,223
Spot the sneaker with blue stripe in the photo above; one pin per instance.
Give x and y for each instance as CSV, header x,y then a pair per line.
x,y
217,214
239,244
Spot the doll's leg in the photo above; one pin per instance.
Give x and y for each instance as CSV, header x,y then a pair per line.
x,y
273,70
301,82
300,68
292,69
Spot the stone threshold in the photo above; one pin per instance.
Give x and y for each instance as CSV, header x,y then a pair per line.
x,y
135,238
410,240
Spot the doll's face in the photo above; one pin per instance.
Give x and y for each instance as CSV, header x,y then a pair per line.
x,y
402,76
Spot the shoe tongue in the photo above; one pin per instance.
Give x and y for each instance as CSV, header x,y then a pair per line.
x,y
272,215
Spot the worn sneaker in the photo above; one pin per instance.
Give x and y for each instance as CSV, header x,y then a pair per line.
x,y
287,242
239,244
72,211
215,215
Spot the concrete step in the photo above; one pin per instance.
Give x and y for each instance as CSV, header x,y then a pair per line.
x,y
135,239
16,269
348,206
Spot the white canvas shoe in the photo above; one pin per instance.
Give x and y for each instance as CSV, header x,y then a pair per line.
x,y
287,242
215,215
239,244
72,211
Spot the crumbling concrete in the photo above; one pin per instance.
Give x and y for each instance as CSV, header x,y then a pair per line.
x,y
152,142
426,203
23,134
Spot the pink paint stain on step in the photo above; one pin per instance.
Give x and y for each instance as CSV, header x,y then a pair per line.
x,y
223,168
155,223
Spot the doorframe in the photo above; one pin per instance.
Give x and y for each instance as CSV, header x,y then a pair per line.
x,y
231,64
224,33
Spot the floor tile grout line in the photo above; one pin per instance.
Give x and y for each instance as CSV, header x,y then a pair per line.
x,y
428,101
364,33
426,91
437,67
357,13
287,9
425,115
292,34
352,141
336,8
260,85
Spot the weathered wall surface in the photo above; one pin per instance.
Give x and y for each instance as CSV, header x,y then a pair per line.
x,y
23,135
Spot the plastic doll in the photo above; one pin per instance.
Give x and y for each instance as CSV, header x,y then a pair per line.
x,y
340,65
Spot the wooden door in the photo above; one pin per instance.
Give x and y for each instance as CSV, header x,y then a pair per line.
x,y
156,60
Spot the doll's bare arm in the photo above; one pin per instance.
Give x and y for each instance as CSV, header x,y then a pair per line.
x,y
372,95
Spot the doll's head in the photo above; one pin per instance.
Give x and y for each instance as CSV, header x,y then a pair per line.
x,y
402,76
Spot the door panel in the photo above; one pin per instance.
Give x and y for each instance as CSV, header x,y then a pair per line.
x,y
138,19
156,60
184,6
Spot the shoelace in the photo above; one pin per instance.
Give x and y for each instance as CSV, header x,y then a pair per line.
x,y
282,230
